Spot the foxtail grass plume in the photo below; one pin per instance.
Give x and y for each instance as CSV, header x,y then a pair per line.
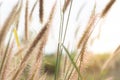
x,y
11,18
38,38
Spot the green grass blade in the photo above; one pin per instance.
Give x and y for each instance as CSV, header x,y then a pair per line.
x,y
72,61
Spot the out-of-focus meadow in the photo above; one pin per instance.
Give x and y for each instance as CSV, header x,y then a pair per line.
x,y
29,28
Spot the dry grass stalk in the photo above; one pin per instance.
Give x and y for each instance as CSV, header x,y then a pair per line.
x,y
33,8
111,58
65,64
14,14
41,10
38,38
107,8
66,4
11,18
7,63
26,20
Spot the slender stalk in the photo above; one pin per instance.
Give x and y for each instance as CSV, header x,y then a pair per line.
x,y
33,8
41,10
59,41
67,21
72,61
26,21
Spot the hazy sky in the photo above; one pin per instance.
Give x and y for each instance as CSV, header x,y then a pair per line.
x,y
110,30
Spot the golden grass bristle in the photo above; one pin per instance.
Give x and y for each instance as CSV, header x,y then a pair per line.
x,y
107,8
33,8
34,74
82,53
38,38
87,31
66,4
83,41
41,10
26,20
89,27
11,18
85,62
